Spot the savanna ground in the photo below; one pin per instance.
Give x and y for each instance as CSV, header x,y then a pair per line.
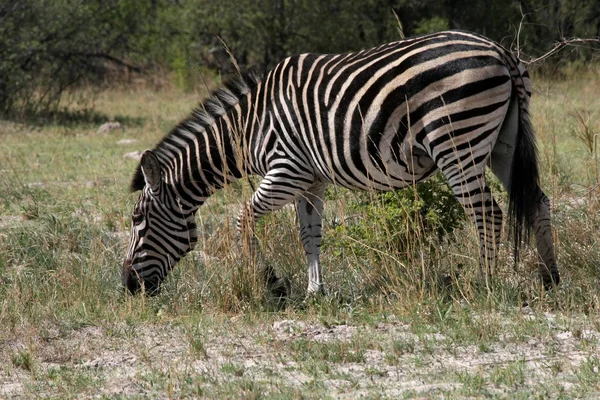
x,y
386,329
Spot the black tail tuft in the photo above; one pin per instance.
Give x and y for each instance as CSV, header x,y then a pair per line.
x,y
524,182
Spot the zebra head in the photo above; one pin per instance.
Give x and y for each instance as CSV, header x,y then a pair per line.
x,y
162,232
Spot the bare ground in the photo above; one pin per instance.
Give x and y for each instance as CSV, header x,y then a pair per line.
x,y
297,359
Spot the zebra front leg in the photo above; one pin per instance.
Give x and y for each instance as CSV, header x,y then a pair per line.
x,y
310,213
278,287
275,190
548,267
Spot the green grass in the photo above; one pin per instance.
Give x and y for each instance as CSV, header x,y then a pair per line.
x,y
387,329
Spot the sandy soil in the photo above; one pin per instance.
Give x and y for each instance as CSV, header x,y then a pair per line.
x,y
133,361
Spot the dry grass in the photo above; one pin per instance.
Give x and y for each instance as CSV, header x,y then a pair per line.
x,y
386,329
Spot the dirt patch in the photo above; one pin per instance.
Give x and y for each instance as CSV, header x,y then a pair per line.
x,y
11,221
343,361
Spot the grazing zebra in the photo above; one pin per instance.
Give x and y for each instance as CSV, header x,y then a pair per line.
x,y
378,119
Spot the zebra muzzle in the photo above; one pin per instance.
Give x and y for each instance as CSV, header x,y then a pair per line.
x,y
129,278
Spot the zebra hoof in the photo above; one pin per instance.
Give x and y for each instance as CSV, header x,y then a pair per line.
x,y
315,293
551,280
279,291
315,296
135,285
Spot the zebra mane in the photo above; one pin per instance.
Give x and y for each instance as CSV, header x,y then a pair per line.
x,y
217,104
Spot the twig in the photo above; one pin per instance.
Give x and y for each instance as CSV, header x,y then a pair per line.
x,y
114,60
106,56
592,189
523,15
4,13
561,45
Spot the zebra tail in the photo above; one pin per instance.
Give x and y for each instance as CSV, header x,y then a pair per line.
x,y
524,180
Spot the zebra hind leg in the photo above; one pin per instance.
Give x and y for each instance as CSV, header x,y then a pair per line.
x,y
548,267
481,207
310,213
501,163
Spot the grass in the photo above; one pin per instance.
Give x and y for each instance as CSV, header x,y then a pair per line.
x,y
387,329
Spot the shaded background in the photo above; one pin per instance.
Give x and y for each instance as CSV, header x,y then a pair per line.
x,y
47,46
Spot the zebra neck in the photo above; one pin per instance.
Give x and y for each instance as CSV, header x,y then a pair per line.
x,y
199,159
207,150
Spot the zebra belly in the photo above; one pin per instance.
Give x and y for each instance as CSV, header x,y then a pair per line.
x,y
395,164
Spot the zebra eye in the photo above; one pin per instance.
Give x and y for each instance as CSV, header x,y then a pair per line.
x,y
137,218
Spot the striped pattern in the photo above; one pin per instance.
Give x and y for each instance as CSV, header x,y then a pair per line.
x,y
379,119
161,233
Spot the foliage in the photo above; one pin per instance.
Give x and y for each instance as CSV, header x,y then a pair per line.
x,y
392,222
433,24
262,33
46,46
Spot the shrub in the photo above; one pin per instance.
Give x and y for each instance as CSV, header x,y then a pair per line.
x,y
391,222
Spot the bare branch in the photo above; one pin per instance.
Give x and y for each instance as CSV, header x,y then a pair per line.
x,y
5,13
561,45
106,57
523,15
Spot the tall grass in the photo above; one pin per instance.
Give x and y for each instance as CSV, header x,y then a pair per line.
x,y
71,195
65,216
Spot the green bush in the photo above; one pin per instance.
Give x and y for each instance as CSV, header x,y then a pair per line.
x,y
430,25
390,222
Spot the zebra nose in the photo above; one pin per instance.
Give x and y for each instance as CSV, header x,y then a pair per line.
x,y
129,278
126,270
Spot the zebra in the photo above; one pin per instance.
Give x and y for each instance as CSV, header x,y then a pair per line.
x,y
378,119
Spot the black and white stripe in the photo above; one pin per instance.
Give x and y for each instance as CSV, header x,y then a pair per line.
x,y
378,119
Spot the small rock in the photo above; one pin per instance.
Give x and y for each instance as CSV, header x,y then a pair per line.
x,y
589,334
528,312
564,336
289,326
109,126
126,141
136,155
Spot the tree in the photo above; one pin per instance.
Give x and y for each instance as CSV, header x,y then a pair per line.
x,y
47,46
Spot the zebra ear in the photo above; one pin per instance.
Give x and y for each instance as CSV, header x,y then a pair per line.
x,y
151,169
